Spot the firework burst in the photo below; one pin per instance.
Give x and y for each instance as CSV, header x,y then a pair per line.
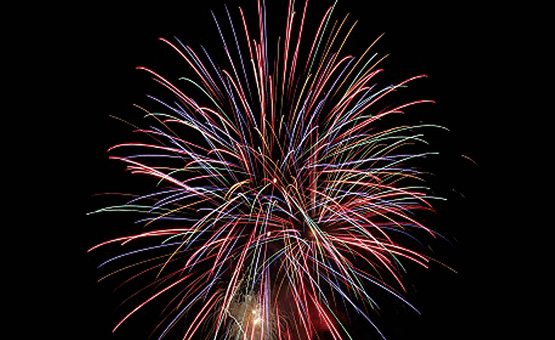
x,y
279,202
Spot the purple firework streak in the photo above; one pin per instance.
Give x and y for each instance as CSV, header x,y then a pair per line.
x,y
279,201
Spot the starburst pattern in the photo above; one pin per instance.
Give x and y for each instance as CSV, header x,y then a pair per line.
x,y
279,199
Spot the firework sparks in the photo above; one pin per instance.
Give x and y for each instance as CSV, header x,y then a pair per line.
x,y
279,201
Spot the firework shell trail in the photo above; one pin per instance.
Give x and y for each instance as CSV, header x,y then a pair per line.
x,y
279,203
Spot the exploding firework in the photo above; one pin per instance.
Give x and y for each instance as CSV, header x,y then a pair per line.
x,y
280,204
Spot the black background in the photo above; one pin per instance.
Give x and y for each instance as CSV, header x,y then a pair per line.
x,y
467,50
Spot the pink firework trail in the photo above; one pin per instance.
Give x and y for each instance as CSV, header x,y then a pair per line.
x,y
279,202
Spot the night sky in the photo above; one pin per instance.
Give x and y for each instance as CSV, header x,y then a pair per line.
x,y
457,46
